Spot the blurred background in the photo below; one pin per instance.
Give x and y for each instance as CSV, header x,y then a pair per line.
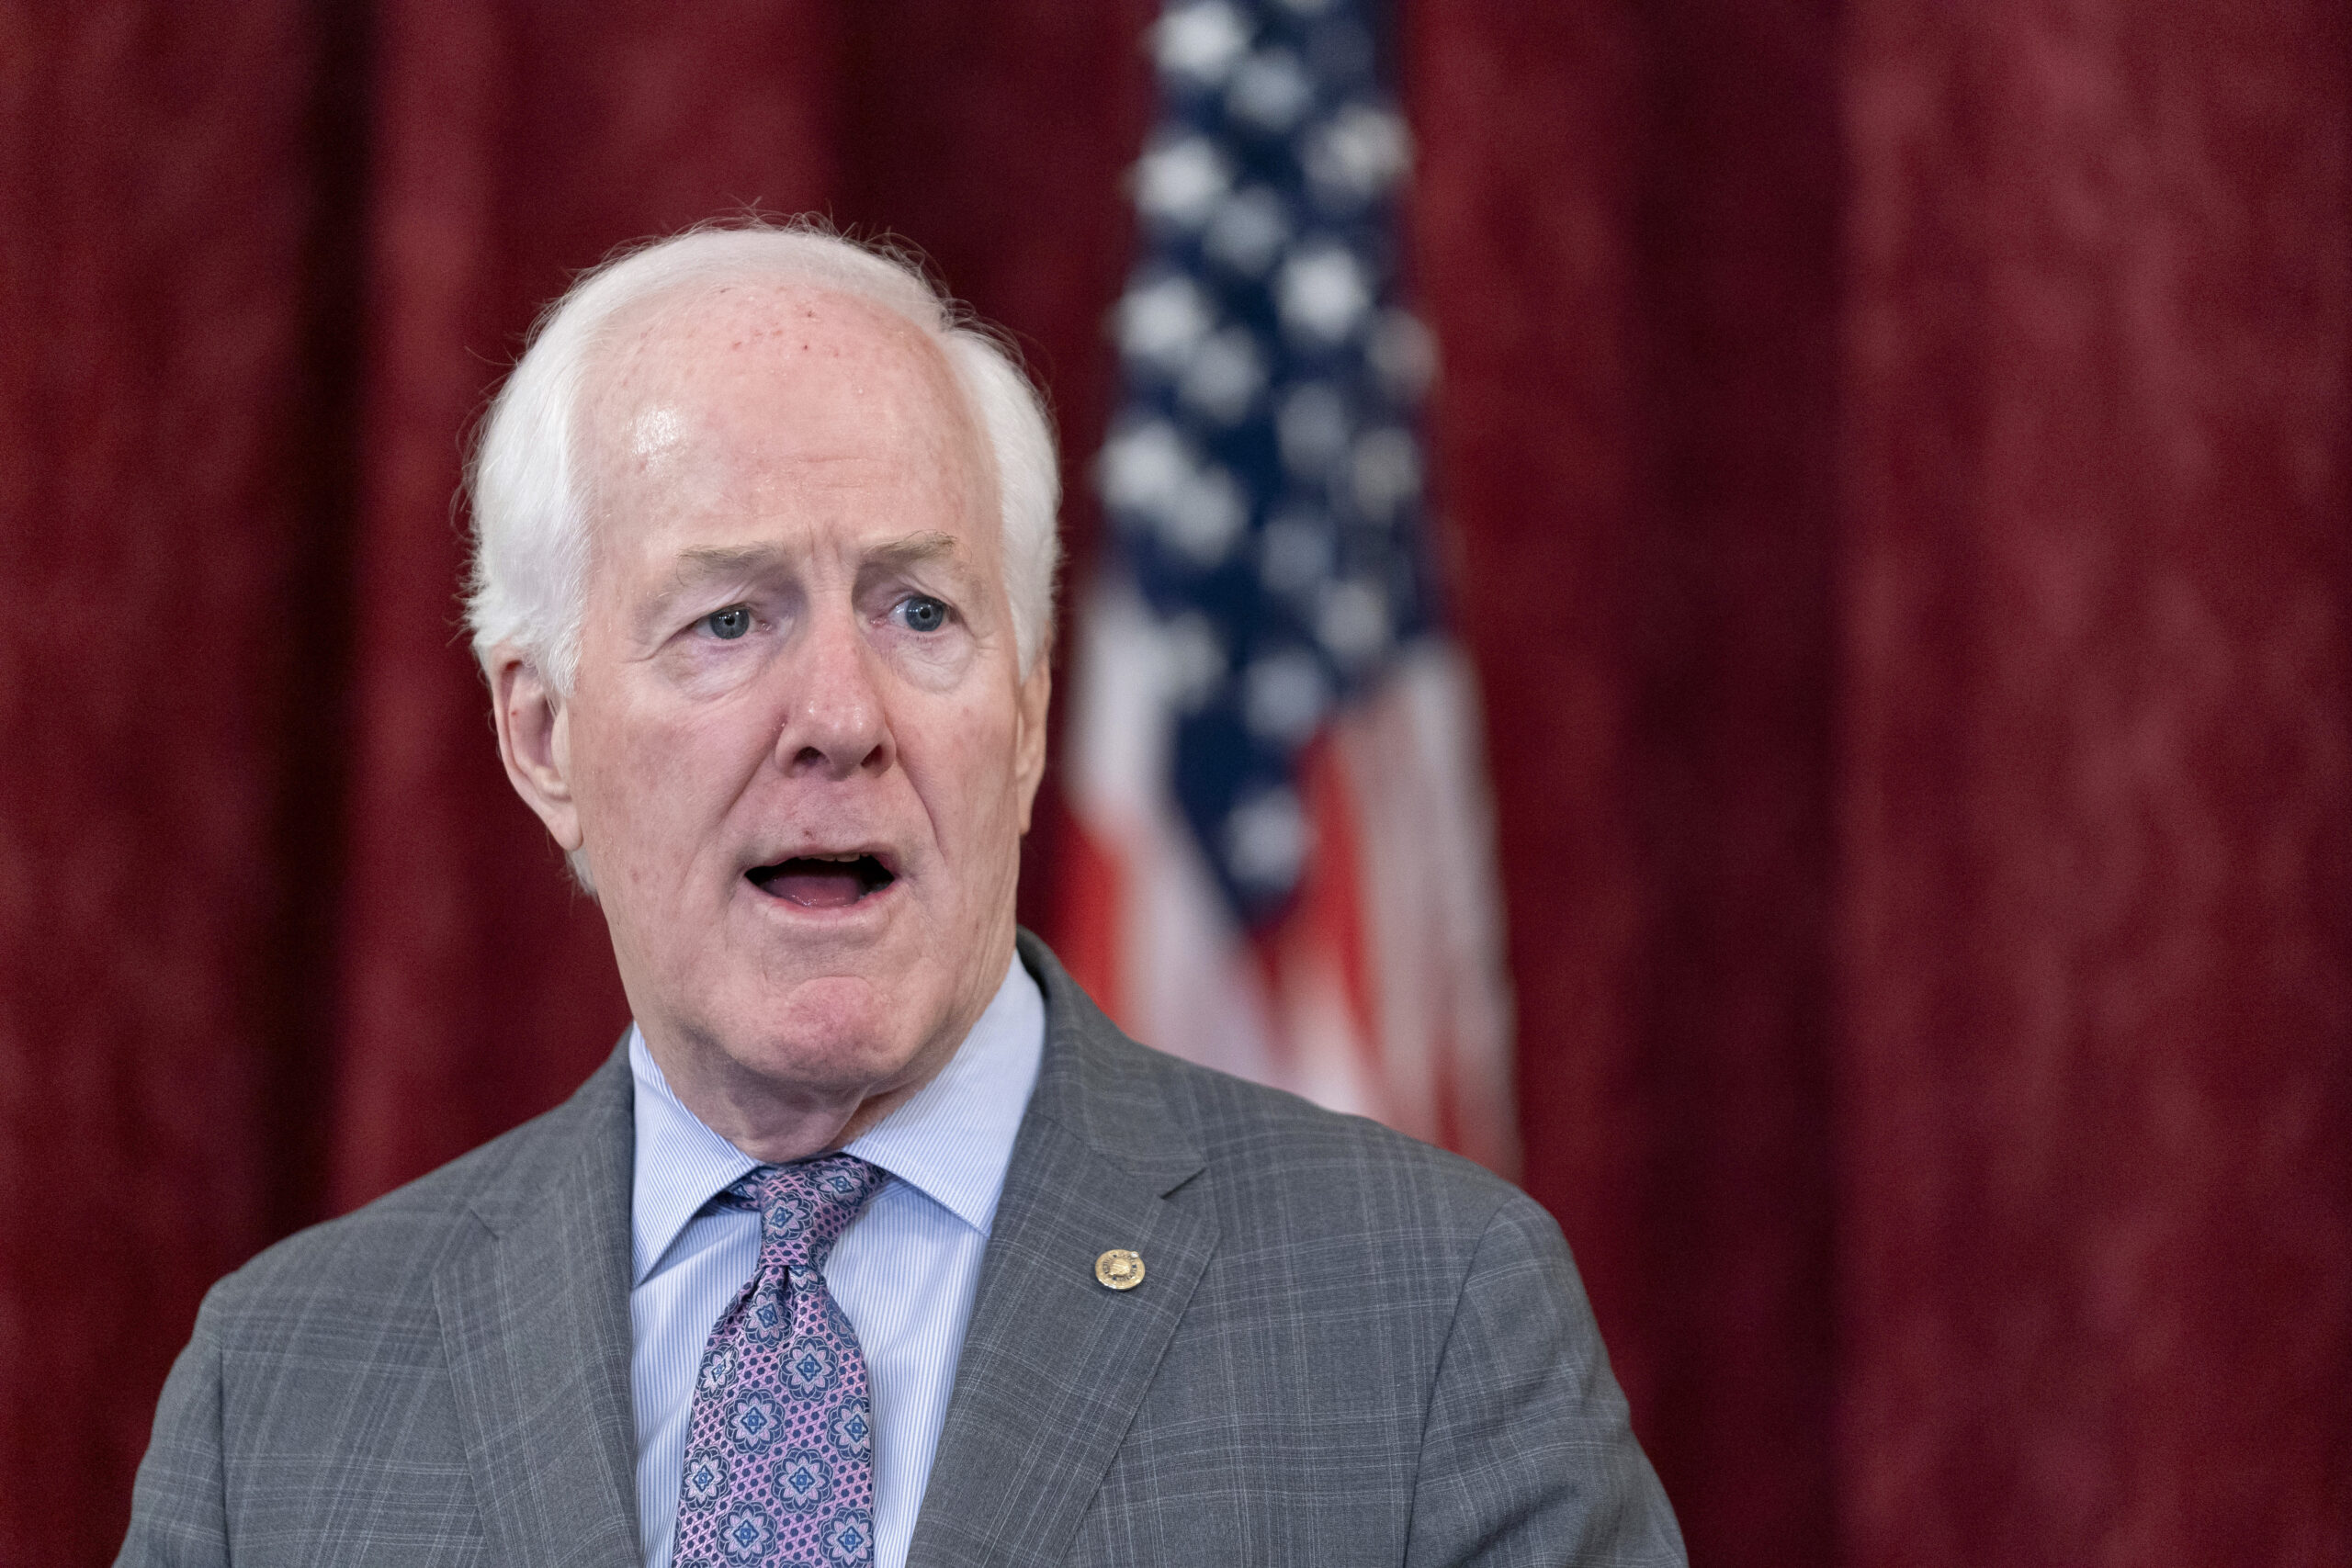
x,y
1889,481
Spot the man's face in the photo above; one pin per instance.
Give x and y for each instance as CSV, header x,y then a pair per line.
x,y
800,752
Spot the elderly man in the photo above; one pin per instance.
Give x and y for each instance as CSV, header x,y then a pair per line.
x,y
874,1242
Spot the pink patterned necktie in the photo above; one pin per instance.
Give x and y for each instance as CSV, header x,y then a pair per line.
x,y
780,1443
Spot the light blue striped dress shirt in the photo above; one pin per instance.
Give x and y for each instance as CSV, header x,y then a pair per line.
x,y
904,1271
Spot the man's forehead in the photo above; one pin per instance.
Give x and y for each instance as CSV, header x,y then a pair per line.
x,y
712,339
734,379
767,418
693,563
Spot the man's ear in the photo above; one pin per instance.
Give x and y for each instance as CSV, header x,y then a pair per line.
x,y
534,740
1029,733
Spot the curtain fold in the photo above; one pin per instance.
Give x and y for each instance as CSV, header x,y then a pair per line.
x,y
1628,245
170,310
2095,799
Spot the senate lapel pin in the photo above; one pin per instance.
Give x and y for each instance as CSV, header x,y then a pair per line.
x,y
1119,1268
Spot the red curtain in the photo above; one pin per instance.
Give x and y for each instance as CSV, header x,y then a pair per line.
x,y
1895,458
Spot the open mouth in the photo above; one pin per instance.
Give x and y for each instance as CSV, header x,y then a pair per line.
x,y
822,882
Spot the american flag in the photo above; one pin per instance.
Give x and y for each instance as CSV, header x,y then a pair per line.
x,y
1284,866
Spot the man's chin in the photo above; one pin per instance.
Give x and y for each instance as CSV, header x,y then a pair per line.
x,y
834,1034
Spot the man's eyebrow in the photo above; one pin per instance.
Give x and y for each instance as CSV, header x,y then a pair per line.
x,y
701,562
915,548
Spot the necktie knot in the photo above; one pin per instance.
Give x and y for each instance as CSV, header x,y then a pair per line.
x,y
805,1206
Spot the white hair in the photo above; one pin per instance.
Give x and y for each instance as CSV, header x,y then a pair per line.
x,y
530,519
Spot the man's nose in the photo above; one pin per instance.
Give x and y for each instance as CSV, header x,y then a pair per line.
x,y
834,722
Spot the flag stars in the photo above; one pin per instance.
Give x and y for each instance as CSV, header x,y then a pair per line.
x,y
1355,156
1181,182
1323,292
1353,622
1247,231
1151,474
1265,478
1270,92
1226,373
1266,841
1198,44
1402,355
1143,463
1311,424
1160,323
1202,518
1384,473
1284,695
1194,661
1295,551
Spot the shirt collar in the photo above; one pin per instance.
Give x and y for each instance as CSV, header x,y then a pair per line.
x,y
951,1139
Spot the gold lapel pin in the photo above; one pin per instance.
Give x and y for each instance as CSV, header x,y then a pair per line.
x,y
1119,1268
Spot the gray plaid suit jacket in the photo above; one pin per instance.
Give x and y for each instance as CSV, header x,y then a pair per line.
x,y
1348,1349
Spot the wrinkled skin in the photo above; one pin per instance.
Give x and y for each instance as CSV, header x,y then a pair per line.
x,y
797,643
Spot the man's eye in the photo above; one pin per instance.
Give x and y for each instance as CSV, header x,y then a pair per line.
x,y
729,623
922,613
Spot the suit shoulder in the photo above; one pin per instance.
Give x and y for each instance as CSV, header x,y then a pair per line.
x,y
1262,1146
390,1249
1273,1147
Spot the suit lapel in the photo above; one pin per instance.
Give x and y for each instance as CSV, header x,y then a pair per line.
x,y
534,1322
1055,1364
